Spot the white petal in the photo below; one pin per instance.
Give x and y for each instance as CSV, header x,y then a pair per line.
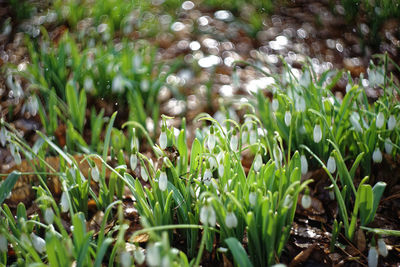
x,y
391,123
125,259
382,247
211,142
388,146
288,118
317,134
380,120
373,257
153,256
252,198
253,137
304,164
38,243
133,160
95,174
212,218
306,201
163,140
139,256
221,170
377,156
207,175
163,181
49,215
331,165
144,174
275,104
64,202
257,162
234,143
231,220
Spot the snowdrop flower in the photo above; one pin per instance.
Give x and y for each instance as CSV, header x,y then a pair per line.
x,y
253,137
125,258
391,123
139,256
3,136
211,139
288,118
275,104
373,257
49,215
133,160
377,156
231,220
301,104
382,247
3,244
95,174
118,84
213,162
207,176
277,156
306,201
388,146
207,215
380,120
234,141
163,139
163,181
331,165
288,202
153,257
38,243
317,134
257,162
221,169
252,198
355,121
331,194
304,164
64,202
144,174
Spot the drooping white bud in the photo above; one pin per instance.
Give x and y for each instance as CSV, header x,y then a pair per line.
x,y
288,202
49,215
355,121
144,174
377,156
3,244
277,156
391,122
213,162
64,202
388,146
304,164
288,118
211,142
275,104
38,243
382,247
373,257
139,256
3,136
306,201
380,120
253,137
125,259
221,170
95,174
163,181
207,175
331,165
153,257
163,140
234,142
207,215
317,134
257,162
133,160
252,198
231,220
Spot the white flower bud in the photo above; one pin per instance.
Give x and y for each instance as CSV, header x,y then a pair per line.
x,y
317,134
64,202
163,140
388,146
304,164
275,104
253,137
257,162
3,136
277,156
211,142
331,165
306,201
382,247
133,160
234,142
3,244
355,121
163,181
125,259
38,243
301,104
144,174
207,215
231,220
380,120
288,202
288,118
95,174
221,170
139,256
207,176
373,257
213,162
252,198
391,122
377,156
331,194
153,257
49,215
